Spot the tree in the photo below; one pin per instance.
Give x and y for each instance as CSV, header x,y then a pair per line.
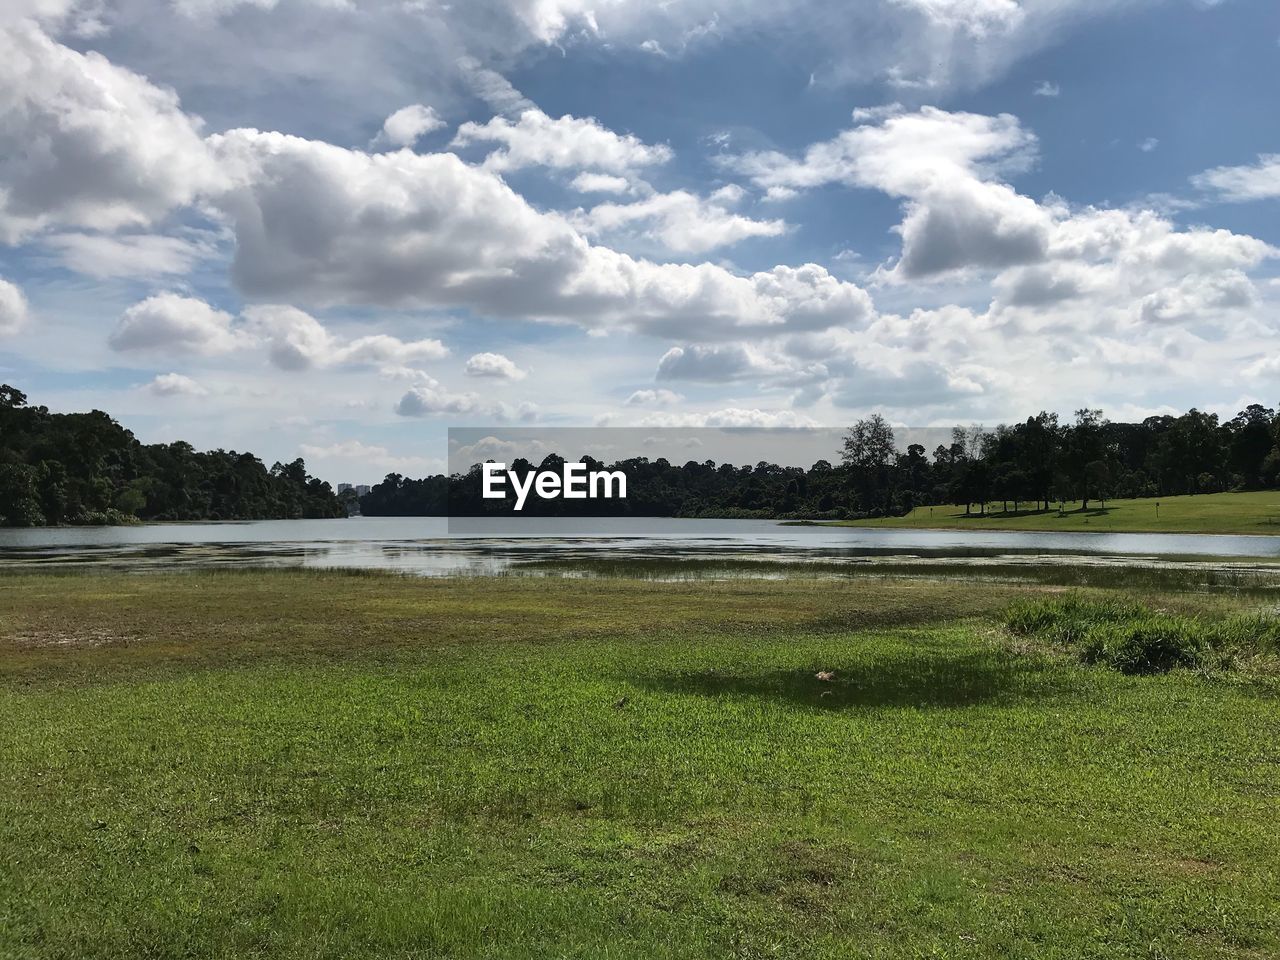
x,y
869,443
87,468
868,450
1087,444
1250,440
1098,480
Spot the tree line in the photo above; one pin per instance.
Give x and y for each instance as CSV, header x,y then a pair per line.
x,y
1033,465
84,468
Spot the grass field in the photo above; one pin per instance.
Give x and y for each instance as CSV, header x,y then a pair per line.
x,y
1256,513
320,765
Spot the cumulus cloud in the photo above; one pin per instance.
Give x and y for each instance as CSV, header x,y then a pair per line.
x,y
1047,89
429,398
971,224
296,340
732,417
717,363
944,165
493,365
679,221
13,308
654,398
315,222
526,411
1257,181
600,183
408,125
902,153
293,339
567,143
1199,298
1077,296
169,322
86,143
960,216
175,385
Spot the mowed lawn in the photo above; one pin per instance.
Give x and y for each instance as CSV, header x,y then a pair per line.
x,y
320,765
1254,513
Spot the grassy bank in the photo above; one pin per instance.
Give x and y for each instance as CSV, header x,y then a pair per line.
x,y
322,765
1252,513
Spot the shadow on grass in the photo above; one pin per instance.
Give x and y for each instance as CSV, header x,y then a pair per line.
x,y
1099,512
984,678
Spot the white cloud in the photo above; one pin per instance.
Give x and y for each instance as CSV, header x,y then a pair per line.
x,y
942,164
679,221
493,365
175,385
1199,298
526,411
567,143
1148,145
654,398
169,322
13,308
493,88
718,363
429,397
958,216
600,183
1047,89
315,222
408,125
1258,181
357,455
921,44
1267,368
732,417
295,340
86,143
126,255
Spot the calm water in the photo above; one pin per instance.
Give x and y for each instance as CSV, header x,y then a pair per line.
x,y
425,545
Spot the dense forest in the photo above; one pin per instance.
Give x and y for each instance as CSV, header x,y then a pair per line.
x,y
84,468
1035,464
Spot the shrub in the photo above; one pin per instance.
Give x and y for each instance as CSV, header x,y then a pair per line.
x,y
1155,644
110,517
1066,619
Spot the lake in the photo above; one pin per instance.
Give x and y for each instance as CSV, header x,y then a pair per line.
x,y
426,545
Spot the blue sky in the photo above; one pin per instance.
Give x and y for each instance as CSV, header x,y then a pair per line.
x,y
334,228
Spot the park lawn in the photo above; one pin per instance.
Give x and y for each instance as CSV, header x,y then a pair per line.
x,y
276,764
1256,512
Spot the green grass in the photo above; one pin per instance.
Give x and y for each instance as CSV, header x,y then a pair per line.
x,y
322,765
1253,513
1134,638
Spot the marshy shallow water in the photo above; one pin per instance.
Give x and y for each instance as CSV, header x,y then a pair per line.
x,y
649,548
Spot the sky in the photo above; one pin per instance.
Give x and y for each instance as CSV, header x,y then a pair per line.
x,y
335,228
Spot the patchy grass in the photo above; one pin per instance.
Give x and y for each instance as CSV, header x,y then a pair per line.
x,y
1133,638
1253,513
318,765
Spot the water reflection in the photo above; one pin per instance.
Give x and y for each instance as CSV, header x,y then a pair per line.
x,y
426,547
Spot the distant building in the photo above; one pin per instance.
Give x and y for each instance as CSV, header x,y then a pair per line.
x,y
344,487
361,489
